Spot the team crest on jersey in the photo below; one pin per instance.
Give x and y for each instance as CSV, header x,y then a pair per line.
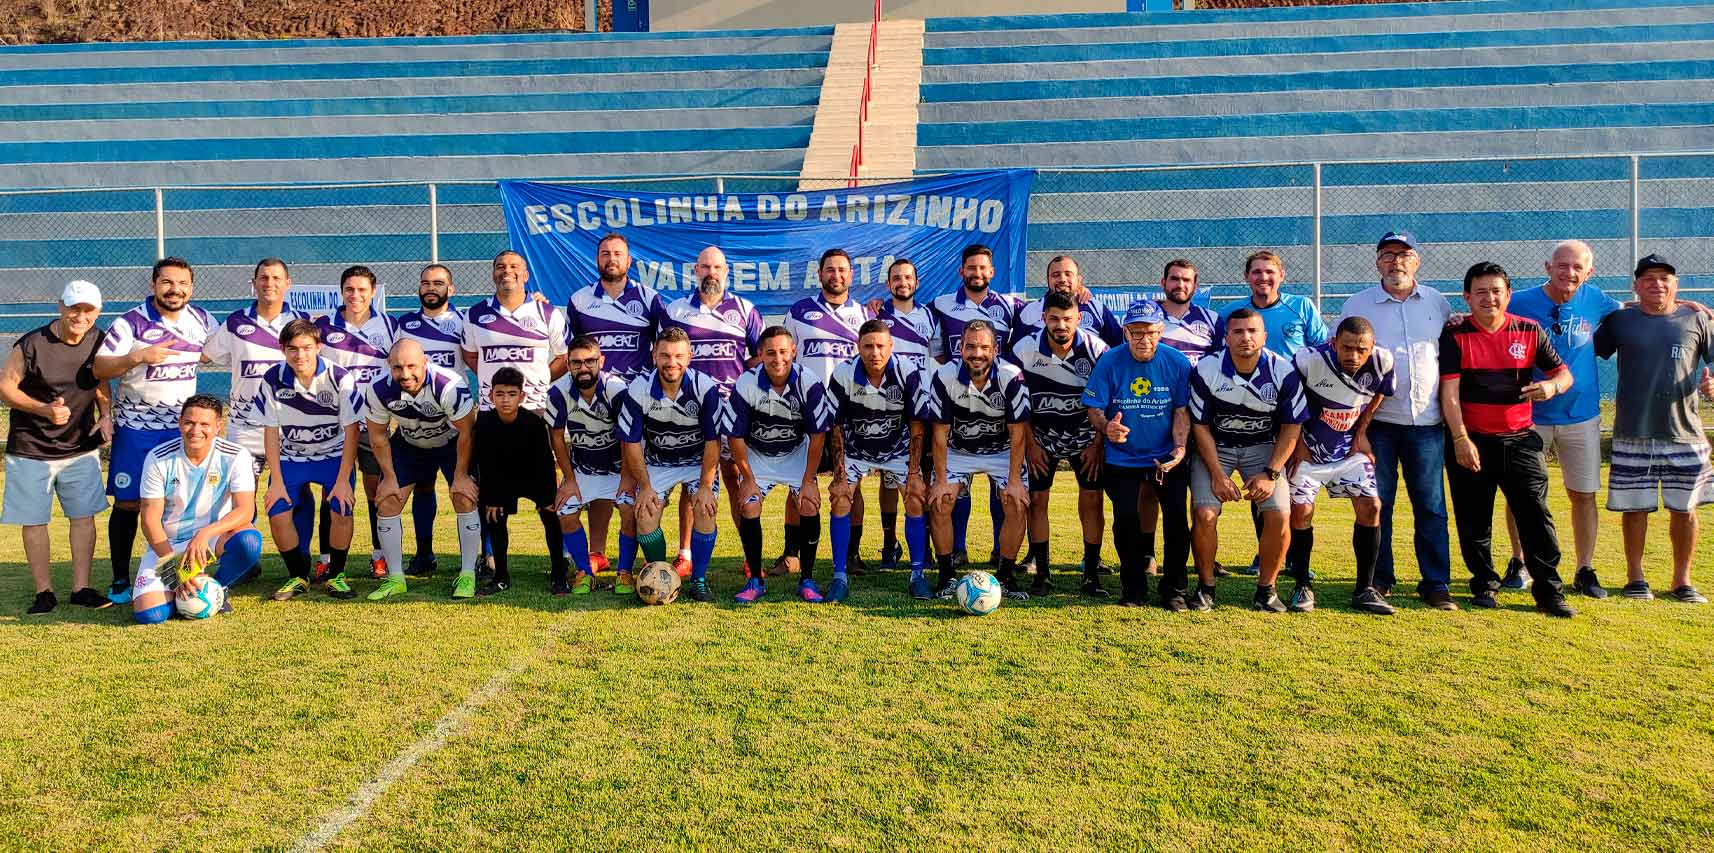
x,y
213,479
893,394
1516,350
996,398
732,316
1081,367
335,337
634,309
413,324
1268,393
246,329
691,408
812,316
1141,386
153,334
998,312
326,398
121,479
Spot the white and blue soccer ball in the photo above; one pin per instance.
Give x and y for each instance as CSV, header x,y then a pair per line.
x,y
979,593
199,601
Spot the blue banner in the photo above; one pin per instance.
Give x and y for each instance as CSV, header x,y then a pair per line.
x,y
773,241
630,16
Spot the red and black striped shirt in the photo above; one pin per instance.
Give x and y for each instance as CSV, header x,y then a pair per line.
x,y
1493,368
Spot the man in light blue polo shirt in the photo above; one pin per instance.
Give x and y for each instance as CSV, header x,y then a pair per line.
x,y
1569,309
1292,321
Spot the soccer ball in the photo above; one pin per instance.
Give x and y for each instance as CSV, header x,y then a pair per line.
x,y
658,583
200,597
979,594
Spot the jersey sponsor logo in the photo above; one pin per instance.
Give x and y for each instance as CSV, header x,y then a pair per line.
x,y
787,432
1340,419
1516,350
812,316
820,348
873,429
285,394
336,337
508,354
442,358
618,340
485,319
1246,425
153,334
364,373
1057,404
170,372
413,324
978,429
121,479
593,440
714,349
254,369
246,329
674,440
311,434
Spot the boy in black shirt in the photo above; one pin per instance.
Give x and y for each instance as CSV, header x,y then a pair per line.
x,y
514,457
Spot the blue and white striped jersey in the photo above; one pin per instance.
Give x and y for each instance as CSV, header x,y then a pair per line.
x,y
1092,315
150,395
673,429
249,346
624,328
916,335
722,338
311,420
425,418
1337,400
1058,417
591,431
440,336
875,418
978,417
361,350
953,311
776,422
825,335
1192,334
529,339
195,495
1244,411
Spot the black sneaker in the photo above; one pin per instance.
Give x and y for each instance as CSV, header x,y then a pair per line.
x,y
1201,599
1688,595
1041,585
1092,586
1554,605
1012,592
1367,600
948,589
494,586
1516,576
959,558
559,586
1484,599
699,590
1587,584
1174,602
1638,590
1220,570
1439,599
88,597
422,566
890,557
854,566
45,602
1302,598
1267,601
1130,602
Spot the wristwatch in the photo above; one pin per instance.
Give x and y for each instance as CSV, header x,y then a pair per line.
x,y
1273,473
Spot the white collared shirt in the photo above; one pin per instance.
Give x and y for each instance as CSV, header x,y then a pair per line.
x,y
1410,330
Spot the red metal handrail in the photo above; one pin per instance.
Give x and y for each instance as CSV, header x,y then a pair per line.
x,y
868,91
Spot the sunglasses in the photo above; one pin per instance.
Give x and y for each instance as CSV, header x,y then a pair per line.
x,y
1558,326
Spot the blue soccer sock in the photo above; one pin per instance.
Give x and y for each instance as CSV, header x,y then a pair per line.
x,y
303,519
840,528
996,514
627,553
243,552
701,551
577,544
960,521
423,509
916,539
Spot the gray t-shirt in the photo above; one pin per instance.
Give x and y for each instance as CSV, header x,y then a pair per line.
x,y
1659,367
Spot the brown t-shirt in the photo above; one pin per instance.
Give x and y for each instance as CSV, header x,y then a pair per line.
x,y
54,368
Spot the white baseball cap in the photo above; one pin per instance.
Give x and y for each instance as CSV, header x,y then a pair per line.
x,y
81,293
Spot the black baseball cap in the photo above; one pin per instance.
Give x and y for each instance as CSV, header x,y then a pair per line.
x,y
1649,262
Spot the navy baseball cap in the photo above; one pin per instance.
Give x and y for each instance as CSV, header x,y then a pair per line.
x,y
1404,237
1649,262
1144,311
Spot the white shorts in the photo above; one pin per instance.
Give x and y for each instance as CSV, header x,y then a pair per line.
x,y
1351,477
31,485
774,471
591,488
893,471
664,480
1649,474
147,581
1579,449
962,468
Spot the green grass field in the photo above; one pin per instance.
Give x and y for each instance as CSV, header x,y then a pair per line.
x,y
533,722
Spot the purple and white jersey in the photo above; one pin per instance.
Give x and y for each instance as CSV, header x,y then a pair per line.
x,y
1245,411
528,338
875,418
1192,334
916,335
776,422
825,335
673,430
589,424
312,419
722,338
250,347
1058,416
361,350
1092,315
440,336
150,395
979,417
425,418
953,311
624,328
1336,400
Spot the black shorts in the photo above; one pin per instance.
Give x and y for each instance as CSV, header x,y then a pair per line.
x,y
367,465
1044,482
825,466
504,491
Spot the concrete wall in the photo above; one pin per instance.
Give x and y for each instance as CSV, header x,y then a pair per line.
x,y
666,15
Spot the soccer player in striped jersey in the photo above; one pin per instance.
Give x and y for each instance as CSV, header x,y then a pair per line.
x,y
875,427
1063,276
198,495
153,350
621,315
511,329
1056,362
310,409
670,423
358,338
438,327
915,336
980,410
436,418
583,404
1189,327
1344,381
780,417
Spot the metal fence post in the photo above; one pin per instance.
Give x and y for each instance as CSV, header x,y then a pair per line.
x,y
1636,210
434,226
1315,215
719,184
160,225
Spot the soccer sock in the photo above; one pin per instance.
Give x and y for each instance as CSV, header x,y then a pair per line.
x,y
1092,557
1038,550
336,558
577,545
374,528
499,543
1008,572
943,564
297,563
627,553
701,551
996,514
1297,554
809,539
390,533
889,536
794,539
654,545
853,543
122,534
423,509
840,527
469,541
750,537
243,551
324,517
916,539
1366,543
303,518
551,535
960,521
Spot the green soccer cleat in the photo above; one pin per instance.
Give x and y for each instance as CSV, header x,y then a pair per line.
x,y
339,588
293,588
465,586
623,585
388,588
582,585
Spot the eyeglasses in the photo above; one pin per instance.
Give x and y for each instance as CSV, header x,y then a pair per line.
x,y
584,362
1389,257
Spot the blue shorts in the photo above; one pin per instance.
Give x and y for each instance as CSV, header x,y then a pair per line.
x,y
416,466
125,464
299,476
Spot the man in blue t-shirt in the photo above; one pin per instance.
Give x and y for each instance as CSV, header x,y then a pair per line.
x,y
1291,320
1137,396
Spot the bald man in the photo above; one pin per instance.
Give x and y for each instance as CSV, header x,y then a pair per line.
x,y
435,413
